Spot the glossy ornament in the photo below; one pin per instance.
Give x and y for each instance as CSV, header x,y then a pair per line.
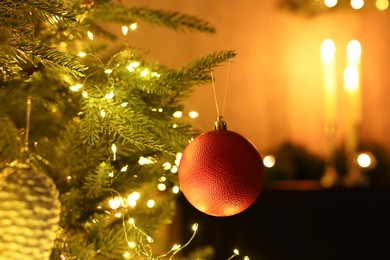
x,y
29,213
221,173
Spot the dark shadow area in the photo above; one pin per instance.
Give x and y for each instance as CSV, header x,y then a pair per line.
x,y
292,224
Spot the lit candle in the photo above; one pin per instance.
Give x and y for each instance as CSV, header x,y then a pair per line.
x,y
352,80
328,51
353,112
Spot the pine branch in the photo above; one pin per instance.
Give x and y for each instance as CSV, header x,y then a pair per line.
x,y
172,20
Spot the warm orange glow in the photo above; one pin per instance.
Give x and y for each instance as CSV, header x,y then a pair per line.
x,y
354,51
328,50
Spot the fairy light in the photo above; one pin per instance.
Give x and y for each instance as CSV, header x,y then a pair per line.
x,y
146,160
160,110
177,114
357,4
108,71
110,95
193,114
118,215
85,94
102,113
124,104
269,161
82,54
126,255
116,202
154,109
178,158
69,178
131,244
132,199
125,30
161,186
111,174
174,169
162,178
150,239
124,168
113,149
366,160
151,203
167,165
235,253
131,221
330,3
133,26
175,189
76,87
175,247
155,74
246,258
382,4
195,227
175,126
132,66
144,73
90,35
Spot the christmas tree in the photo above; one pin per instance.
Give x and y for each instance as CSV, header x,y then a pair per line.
x,y
86,141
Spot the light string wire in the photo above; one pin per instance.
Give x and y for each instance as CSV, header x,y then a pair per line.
x,y
225,93
28,122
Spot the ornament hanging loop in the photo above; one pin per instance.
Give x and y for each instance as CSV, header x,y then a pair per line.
x,y
220,124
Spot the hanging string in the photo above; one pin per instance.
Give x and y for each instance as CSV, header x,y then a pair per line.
x,y
215,94
225,94
28,118
226,88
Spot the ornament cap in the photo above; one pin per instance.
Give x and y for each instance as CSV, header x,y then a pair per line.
x,y
220,124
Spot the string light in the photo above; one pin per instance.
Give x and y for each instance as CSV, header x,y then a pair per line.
x,y
178,158
113,149
103,113
111,174
160,110
144,73
133,26
125,30
177,114
116,202
330,3
85,94
76,87
193,114
155,74
382,4
235,253
175,189
108,71
124,168
174,169
124,104
175,126
90,35
110,95
131,244
167,165
132,66
357,4
269,161
126,255
81,54
175,247
150,203
161,186
131,221
146,160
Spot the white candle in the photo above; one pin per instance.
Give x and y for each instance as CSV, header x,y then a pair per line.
x,y
328,50
352,80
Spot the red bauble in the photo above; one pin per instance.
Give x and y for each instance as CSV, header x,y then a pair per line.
x,y
221,173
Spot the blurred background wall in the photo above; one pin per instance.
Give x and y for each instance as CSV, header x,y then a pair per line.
x,y
275,89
